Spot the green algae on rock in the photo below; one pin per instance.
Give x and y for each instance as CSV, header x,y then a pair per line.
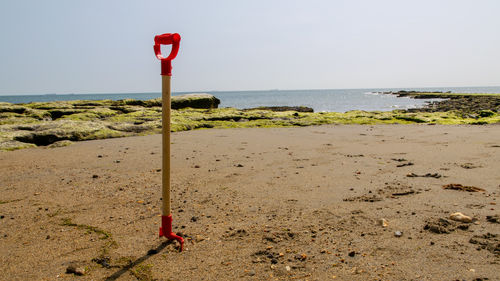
x,y
64,122
201,100
467,104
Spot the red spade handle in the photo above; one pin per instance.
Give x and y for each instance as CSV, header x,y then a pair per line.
x,y
167,39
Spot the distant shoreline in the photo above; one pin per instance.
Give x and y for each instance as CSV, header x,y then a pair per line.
x,y
328,100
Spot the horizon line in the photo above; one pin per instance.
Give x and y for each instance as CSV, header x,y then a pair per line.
x,y
222,91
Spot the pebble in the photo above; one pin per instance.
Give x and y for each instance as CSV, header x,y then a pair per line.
x,y
251,272
383,222
398,233
460,217
199,238
75,270
352,254
288,268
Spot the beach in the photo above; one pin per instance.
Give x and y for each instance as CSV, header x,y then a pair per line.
x,y
344,202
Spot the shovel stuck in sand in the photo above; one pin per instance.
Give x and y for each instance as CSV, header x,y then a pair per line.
x,y
166,73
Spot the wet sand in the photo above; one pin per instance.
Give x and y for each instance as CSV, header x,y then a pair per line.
x,y
258,204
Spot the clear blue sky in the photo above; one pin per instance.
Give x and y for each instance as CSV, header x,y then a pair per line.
x,y
105,46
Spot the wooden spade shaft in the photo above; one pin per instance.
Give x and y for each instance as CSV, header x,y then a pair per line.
x,y
165,144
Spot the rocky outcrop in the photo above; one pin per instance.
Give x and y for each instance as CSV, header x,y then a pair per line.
x,y
59,123
48,133
55,124
469,105
202,100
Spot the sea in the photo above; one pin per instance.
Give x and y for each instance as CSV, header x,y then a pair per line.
x,y
329,100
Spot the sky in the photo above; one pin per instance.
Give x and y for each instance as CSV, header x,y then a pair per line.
x,y
95,46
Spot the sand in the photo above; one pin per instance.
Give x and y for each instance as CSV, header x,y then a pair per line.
x,y
258,204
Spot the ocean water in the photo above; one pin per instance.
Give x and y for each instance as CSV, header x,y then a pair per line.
x,y
338,100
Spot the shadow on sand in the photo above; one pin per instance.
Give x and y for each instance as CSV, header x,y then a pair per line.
x,y
138,261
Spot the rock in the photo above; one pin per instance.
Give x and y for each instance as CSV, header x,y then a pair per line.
x,y
251,273
130,102
383,223
9,145
73,269
486,113
288,268
47,133
460,217
201,100
12,108
352,254
136,127
62,143
398,233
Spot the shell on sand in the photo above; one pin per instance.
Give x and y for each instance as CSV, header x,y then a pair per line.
x,y
460,217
